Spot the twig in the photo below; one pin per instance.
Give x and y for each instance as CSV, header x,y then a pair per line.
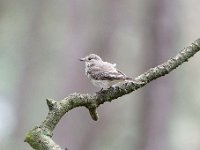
x,y
39,138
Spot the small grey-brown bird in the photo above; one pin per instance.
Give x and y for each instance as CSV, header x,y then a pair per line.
x,y
103,74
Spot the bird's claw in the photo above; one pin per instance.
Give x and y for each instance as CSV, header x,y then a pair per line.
x,y
100,91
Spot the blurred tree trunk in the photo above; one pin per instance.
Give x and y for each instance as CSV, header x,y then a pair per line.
x,y
68,132
160,40
30,51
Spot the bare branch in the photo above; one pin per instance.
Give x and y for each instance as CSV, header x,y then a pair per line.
x,y
40,137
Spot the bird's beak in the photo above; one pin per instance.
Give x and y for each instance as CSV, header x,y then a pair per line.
x,y
82,59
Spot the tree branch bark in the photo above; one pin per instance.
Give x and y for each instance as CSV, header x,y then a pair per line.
x,y
39,138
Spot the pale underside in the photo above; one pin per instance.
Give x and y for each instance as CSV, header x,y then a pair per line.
x,y
104,84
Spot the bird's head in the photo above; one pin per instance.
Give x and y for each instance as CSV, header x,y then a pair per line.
x,y
91,59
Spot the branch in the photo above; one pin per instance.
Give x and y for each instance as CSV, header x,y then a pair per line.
x,y
39,138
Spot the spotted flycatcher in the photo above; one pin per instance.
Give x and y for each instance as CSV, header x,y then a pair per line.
x,y
103,74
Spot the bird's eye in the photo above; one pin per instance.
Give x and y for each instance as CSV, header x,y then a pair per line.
x,y
89,58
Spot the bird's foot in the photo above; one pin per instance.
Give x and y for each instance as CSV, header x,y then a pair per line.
x,y
100,91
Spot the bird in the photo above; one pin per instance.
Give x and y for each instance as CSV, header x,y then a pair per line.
x,y
103,74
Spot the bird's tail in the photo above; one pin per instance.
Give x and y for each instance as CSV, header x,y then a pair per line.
x,y
134,81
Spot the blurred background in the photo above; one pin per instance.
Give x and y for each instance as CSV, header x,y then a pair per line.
x,y
40,43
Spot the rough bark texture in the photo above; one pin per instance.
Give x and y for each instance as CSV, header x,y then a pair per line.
x,y
39,138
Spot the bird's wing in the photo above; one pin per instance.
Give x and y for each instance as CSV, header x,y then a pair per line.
x,y
107,76
106,71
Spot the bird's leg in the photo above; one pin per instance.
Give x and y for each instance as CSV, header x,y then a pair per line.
x,y
100,91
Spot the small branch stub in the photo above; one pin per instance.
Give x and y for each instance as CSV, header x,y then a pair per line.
x,y
93,113
50,103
